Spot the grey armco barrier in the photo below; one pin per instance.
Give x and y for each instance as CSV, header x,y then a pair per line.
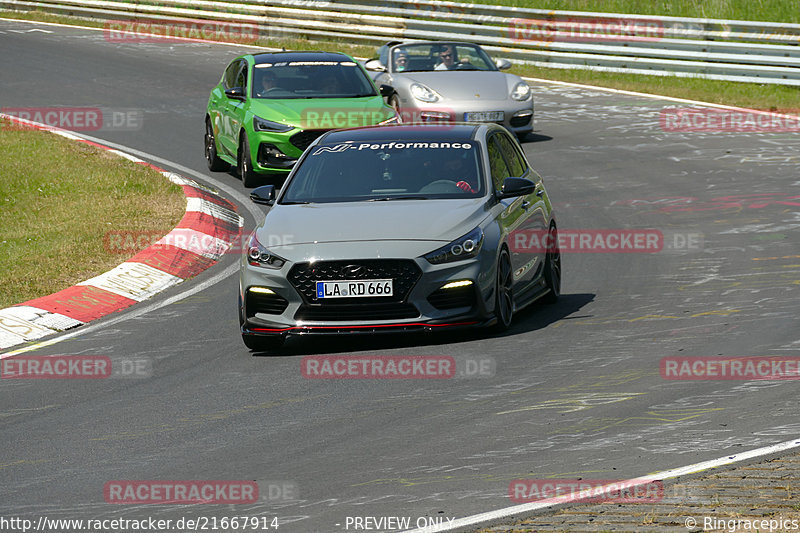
x,y
734,50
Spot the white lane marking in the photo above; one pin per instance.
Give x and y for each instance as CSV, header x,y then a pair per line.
x,y
657,97
643,480
62,25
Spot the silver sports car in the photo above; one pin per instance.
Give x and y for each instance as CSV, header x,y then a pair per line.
x,y
399,228
452,81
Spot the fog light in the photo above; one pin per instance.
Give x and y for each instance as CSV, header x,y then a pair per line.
x,y
455,284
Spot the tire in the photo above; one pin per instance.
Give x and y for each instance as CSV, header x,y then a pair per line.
x,y
245,166
215,164
504,298
262,344
552,269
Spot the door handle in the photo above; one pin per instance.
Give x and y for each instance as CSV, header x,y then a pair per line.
x,y
539,192
525,205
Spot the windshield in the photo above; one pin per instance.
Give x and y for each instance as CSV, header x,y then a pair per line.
x,y
440,57
310,79
387,170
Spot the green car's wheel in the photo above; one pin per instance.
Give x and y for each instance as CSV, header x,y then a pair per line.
x,y
552,268
215,164
504,300
249,177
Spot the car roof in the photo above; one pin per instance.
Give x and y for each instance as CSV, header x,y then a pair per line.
x,y
405,132
271,57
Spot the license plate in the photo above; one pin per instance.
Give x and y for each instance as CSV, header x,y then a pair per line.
x,y
354,289
483,116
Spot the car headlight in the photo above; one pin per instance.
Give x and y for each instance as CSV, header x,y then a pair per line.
x,y
424,94
521,91
259,256
465,247
261,124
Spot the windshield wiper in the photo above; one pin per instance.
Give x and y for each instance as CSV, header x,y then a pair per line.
x,y
387,198
298,202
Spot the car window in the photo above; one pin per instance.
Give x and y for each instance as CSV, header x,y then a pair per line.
x,y
387,170
516,164
241,75
229,78
497,164
311,79
444,56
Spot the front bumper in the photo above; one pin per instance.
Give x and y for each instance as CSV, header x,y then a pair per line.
x,y
291,309
517,116
274,152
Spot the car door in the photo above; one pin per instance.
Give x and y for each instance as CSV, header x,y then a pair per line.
x,y
524,220
232,109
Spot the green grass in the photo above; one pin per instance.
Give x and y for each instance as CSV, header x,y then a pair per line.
x,y
58,199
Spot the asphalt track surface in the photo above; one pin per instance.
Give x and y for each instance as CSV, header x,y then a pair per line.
x,y
576,392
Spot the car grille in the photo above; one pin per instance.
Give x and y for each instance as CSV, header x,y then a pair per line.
x,y
452,298
270,304
302,139
404,274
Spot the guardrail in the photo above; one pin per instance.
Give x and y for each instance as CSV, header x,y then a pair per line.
x,y
761,52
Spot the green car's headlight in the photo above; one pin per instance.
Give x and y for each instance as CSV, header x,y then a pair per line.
x,y
521,91
261,124
465,247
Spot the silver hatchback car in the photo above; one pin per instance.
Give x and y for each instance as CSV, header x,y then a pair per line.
x,y
396,229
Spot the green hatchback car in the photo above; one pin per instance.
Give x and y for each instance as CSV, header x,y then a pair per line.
x,y
269,107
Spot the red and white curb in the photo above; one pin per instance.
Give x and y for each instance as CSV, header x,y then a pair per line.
x,y
209,227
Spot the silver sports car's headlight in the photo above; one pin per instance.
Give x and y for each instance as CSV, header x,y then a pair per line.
x,y
257,255
262,124
423,93
462,248
521,91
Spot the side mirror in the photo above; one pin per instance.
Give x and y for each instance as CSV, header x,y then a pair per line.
x,y
264,195
386,90
503,64
375,65
235,93
513,187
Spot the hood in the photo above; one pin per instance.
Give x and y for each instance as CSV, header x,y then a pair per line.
x,y
323,113
465,84
418,220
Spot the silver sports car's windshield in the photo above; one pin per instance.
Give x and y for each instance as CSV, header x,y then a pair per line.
x,y
439,57
310,79
387,170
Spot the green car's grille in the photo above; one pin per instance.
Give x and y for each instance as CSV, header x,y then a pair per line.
x,y
302,139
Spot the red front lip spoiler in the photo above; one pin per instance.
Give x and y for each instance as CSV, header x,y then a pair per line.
x,y
376,326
